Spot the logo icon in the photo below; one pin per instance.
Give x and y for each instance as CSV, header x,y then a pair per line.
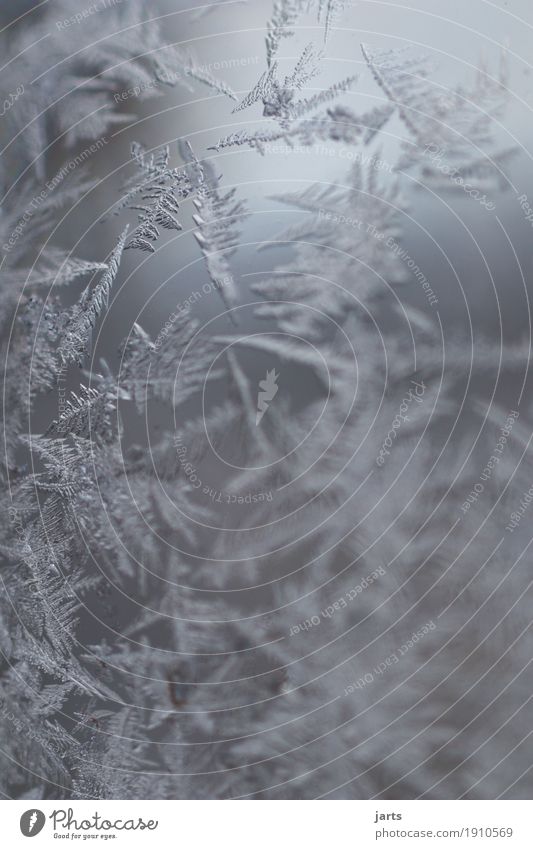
x,y
268,389
32,822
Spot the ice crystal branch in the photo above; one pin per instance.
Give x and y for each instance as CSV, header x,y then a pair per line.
x,y
79,320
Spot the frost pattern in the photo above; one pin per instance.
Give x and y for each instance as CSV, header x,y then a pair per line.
x,y
220,682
